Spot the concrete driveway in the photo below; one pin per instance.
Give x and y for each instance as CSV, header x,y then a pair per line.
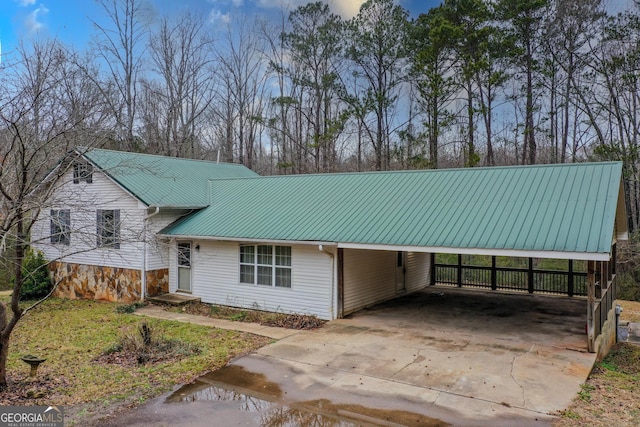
x,y
459,356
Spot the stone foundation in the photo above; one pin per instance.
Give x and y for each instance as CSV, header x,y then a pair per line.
x,y
157,282
97,282
607,337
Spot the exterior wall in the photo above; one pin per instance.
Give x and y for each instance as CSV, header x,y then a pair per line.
x,y
82,200
369,278
157,282
607,337
96,282
418,271
105,273
215,278
157,248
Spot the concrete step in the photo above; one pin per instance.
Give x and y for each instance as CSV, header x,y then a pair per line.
x,y
173,299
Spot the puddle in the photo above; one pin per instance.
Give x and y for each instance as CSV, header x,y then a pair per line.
x,y
253,393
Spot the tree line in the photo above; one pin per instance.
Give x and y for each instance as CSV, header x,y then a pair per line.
x,y
467,83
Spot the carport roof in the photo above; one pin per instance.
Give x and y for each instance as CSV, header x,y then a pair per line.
x,y
557,211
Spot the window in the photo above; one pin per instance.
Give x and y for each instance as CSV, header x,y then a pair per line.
x,y
82,171
108,228
60,226
184,254
265,265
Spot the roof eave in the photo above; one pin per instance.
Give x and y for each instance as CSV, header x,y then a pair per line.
x,y
586,256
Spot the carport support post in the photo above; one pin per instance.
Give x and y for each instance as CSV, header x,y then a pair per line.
x,y
459,270
591,301
530,275
494,278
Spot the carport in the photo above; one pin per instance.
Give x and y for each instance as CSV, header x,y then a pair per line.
x,y
561,212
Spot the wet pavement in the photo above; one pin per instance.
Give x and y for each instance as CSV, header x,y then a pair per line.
x,y
435,358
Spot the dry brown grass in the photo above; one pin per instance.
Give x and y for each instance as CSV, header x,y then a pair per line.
x,y
630,311
611,395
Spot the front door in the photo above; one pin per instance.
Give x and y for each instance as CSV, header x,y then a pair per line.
x,y
184,266
401,261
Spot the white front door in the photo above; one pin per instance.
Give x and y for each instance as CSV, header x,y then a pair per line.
x,y
401,261
184,266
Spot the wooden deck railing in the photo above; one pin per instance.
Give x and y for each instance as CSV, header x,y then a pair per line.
x,y
509,278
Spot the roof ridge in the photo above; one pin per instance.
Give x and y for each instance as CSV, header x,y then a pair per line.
x,y
416,171
89,150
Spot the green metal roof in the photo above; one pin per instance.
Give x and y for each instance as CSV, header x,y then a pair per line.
x,y
164,181
558,208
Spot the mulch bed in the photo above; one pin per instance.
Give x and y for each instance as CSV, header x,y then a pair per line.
x,y
281,320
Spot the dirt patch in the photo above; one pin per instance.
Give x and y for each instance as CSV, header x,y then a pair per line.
x,y
610,395
41,390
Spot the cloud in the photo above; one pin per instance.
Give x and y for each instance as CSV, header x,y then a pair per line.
x,y
25,3
344,8
216,16
32,22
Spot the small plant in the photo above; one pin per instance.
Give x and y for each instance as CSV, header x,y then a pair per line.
x,y
240,316
129,308
36,283
145,345
585,392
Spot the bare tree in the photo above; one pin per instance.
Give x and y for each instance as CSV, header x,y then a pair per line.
x,y
36,127
181,53
241,92
121,46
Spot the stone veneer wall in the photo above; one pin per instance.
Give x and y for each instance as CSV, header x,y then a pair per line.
x,y
157,282
96,282
607,337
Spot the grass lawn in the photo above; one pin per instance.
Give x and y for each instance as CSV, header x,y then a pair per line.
x,y
610,395
71,334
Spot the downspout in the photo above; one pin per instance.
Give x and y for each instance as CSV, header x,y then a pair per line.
x,y
143,277
333,275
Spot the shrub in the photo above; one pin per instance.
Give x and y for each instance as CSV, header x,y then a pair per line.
x,y
36,283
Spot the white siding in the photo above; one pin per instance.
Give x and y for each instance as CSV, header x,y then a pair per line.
x,y
216,279
158,248
369,278
83,199
418,271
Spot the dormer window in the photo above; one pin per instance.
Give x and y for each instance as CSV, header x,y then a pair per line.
x,y
82,171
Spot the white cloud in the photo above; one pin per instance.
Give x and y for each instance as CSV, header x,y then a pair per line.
x,y
32,22
216,16
344,8
25,3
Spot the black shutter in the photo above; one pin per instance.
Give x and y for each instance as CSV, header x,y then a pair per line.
x,y
116,228
66,218
89,173
52,230
99,226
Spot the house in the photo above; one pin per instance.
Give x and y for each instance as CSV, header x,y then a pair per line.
x,y
99,228
330,244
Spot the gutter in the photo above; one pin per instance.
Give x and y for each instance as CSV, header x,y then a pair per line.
x,y
143,277
333,275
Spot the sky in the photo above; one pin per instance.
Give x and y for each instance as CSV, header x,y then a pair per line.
x,y
71,20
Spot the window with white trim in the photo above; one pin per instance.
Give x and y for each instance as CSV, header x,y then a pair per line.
x,y
82,171
265,265
108,228
60,226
